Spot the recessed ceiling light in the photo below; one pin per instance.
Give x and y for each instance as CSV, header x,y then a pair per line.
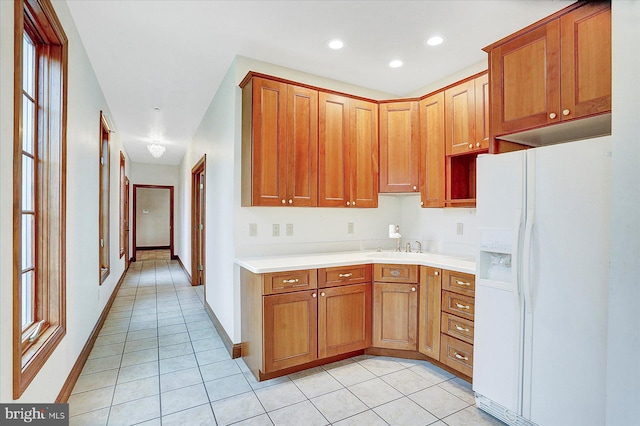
x,y
435,40
335,44
396,63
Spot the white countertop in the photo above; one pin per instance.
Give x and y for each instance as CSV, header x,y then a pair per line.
x,y
261,265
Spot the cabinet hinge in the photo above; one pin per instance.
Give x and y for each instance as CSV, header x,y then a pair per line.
x,y
200,268
201,227
101,242
202,186
102,161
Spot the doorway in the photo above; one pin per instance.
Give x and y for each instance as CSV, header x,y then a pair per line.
x,y
149,215
198,222
126,222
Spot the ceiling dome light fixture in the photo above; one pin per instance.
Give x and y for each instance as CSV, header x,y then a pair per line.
x,y
335,44
156,150
396,63
435,40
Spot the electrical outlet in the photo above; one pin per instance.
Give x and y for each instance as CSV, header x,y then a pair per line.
x,y
289,229
459,228
276,230
253,230
350,228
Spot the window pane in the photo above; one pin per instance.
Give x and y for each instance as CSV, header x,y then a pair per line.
x,y
28,120
28,182
27,241
27,299
28,66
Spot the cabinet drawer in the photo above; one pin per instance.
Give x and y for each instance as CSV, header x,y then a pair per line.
x,y
458,304
288,281
389,273
343,275
457,327
459,282
456,354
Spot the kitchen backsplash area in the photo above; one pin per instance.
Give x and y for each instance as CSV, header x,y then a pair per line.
x,y
318,230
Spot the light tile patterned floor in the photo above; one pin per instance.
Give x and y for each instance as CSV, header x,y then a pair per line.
x,y
155,254
159,361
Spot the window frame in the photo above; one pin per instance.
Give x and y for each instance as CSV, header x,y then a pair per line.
x,y
32,345
104,172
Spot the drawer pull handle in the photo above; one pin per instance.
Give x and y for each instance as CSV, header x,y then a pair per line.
x,y
460,328
461,306
394,273
462,357
345,275
463,283
291,281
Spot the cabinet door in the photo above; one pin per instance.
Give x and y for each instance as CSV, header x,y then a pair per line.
x,y
269,105
290,329
302,147
586,61
344,319
333,173
432,147
430,315
460,113
364,153
483,129
399,147
525,80
395,316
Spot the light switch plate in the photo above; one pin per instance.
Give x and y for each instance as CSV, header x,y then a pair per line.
x,y
289,229
350,228
276,230
459,228
253,230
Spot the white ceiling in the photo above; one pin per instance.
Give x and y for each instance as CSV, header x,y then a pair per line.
x,y
173,54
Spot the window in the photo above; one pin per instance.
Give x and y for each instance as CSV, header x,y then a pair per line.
x,y
39,188
104,198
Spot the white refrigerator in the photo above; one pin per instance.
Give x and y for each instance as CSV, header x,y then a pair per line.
x,y
542,284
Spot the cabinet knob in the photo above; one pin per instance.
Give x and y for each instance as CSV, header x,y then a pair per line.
x,y
353,203
348,203
422,203
415,188
470,145
477,144
552,115
284,201
566,112
436,273
413,289
290,201
322,294
314,295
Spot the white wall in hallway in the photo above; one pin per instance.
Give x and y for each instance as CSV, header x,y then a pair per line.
x,y
85,297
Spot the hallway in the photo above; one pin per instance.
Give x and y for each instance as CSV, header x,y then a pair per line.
x,y
159,361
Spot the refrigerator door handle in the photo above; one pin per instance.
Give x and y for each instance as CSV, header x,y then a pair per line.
x,y
515,255
526,260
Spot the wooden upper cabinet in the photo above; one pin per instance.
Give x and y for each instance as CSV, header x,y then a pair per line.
x,y
348,148
467,116
586,81
399,147
558,70
302,146
460,117
432,148
363,157
280,144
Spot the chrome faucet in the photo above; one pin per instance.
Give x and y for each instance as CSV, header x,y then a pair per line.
x,y
407,248
419,246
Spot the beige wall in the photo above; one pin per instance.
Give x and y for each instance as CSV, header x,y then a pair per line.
x,y
152,217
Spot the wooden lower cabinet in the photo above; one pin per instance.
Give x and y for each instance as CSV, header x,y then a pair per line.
x,y
290,329
456,354
344,319
429,327
395,316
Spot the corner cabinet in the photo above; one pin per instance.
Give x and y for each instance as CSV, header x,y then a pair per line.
x,y
348,147
395,306
432,148
556,70
279,144
399,147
